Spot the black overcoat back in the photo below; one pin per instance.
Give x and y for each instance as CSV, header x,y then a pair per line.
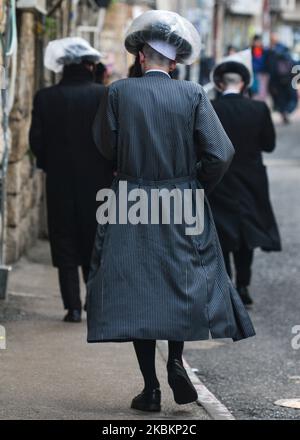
x,y
241,203
61,139
152,280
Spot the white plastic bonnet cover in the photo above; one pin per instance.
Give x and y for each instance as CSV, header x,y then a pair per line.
x,y
166,26
165,49
70,50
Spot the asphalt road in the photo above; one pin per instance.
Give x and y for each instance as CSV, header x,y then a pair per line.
x,y
249,376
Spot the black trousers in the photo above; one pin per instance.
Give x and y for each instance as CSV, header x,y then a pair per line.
x,y
145,352
69,283
243,259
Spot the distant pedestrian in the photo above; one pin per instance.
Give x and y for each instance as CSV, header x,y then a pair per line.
x,y
279,64
206,66
61,139
241,203
259,87
101,74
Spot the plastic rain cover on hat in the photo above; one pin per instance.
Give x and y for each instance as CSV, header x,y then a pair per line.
x,y
165,49
70,50
240,62
168,27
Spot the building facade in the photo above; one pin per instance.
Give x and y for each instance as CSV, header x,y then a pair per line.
x,y
285,18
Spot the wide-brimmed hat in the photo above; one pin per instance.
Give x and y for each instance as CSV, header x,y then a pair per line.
x,y
70,50
168,33
240,63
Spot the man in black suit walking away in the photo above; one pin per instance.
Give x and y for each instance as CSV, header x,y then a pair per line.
x,y
150,280
240,203
61,139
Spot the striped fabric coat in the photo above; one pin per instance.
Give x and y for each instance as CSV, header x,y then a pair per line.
x,y
154,281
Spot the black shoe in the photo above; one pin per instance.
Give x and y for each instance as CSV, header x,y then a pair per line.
x,y
285,119
147,401
73,316
182,387
245,296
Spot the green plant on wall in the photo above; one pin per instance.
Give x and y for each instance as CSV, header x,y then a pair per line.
x,y
50,28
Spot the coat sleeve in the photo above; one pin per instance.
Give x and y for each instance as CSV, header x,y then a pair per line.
x,y
105,127
268,134
213,147
36,133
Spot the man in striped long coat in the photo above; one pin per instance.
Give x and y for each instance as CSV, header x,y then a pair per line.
x,y
153,282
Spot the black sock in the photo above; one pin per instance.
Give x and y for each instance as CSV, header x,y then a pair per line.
x,y
145,352
175,351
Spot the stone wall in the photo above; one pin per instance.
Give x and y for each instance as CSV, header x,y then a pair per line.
x,y
24,182
2,30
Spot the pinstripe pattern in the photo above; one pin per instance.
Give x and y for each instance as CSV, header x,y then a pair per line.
x,y
153,281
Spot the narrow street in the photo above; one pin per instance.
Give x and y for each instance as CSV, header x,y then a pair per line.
x,y
248,377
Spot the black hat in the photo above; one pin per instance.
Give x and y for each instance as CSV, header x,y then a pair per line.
x,y
168,27
231,67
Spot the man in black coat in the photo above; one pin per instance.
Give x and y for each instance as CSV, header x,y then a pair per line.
x,y
61,139
240,203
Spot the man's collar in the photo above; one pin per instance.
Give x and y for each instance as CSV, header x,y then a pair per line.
x,y
230,92
157,71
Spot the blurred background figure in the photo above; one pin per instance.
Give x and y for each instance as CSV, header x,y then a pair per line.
x,y
135,70
240,203
61,139
101,74
279,64
207,64
259,87
175,74
231,50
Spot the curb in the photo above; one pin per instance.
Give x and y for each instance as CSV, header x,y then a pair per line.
x,y
214,408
